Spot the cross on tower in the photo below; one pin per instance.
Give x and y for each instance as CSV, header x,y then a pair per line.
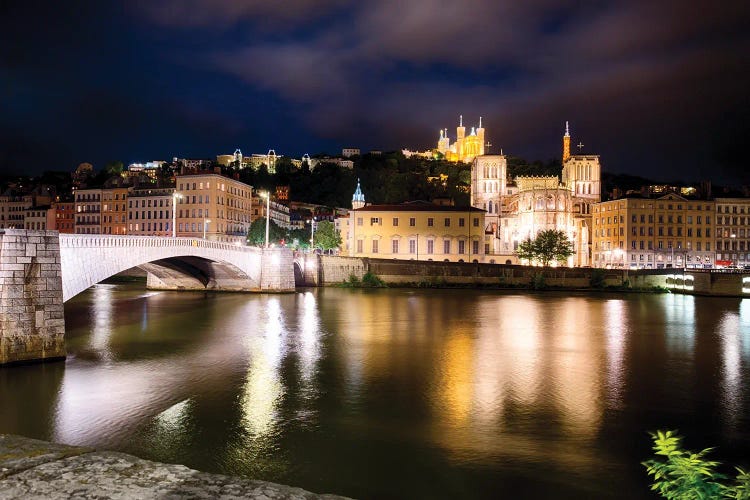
x,y
580,146
488,145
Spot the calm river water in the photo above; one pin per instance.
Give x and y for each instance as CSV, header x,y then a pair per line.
x,y
396,393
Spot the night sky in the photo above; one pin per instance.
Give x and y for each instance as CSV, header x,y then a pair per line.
x,y
657,88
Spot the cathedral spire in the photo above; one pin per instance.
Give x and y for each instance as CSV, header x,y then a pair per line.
x,y
566,144
480,122
460,120
567,130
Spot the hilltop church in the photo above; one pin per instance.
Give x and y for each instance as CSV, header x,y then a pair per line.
x,y
466,147
520,209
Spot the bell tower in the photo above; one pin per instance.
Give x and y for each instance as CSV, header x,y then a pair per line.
x,y
566,144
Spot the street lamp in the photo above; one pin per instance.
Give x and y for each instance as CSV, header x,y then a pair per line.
x,y
175,197
267,196
312,233
205,223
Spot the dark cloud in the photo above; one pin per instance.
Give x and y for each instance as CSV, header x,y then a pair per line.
x,y
654,87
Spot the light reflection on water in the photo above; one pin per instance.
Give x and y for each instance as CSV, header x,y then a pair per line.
x,y
437,390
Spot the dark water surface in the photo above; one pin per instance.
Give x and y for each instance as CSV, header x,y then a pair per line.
x,y
396,393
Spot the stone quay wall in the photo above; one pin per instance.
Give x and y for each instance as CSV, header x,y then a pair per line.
x,y
333,270
32,323
30,468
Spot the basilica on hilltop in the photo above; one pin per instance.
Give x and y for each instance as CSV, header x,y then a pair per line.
x,y
466,147
520,208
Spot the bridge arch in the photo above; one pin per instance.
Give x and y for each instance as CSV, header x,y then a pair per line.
x,y
173,263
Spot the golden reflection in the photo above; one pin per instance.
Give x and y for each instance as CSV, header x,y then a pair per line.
x,y
616,333
263,388
309,345
575,367
101,311
455,384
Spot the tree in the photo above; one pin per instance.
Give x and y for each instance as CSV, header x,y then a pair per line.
x,y
551,245
256,235
688,475
327,236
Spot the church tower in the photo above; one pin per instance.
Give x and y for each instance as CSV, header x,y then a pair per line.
x,y
460,135
566,144
358,200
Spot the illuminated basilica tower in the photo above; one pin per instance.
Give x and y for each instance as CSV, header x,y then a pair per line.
x,y
466,148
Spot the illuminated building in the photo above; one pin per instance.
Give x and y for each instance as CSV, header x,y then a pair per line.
x,y
669,231
150,212
114,210
279,212
521,209
64,217
348,152
222,204
88,211
415,230
465,148
732,232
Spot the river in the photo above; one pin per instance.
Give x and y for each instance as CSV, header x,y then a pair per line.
x,y
396,393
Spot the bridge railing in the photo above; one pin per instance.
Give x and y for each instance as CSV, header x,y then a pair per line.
x,y
112,241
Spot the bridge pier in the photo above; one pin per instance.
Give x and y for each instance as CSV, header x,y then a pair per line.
x,y
32,321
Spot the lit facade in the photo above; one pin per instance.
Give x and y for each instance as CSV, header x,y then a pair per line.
x,y
732,232
279,212
222,204
415,230
13,210
149,212
466,147
88,206
65,217
670,231
114,210
39,218
520,210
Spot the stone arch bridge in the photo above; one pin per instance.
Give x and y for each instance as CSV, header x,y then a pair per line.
x,y
40,270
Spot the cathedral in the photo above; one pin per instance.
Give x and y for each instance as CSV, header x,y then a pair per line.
x,y
522,208
466,148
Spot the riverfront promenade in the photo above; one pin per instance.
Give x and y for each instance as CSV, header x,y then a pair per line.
x,y
33,469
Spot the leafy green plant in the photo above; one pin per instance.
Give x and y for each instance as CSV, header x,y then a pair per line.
x,y
687,475
372,281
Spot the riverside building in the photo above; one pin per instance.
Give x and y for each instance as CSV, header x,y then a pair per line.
x,y
654,233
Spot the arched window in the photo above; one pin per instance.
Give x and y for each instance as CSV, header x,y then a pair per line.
x,y
489,209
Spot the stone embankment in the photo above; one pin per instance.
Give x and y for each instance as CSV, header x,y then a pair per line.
x,y
33,469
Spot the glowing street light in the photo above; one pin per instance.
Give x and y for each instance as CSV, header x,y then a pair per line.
x,y
267,196
175,197
312,234
205,223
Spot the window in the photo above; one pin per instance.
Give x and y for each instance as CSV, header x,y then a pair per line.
x,y
430,222
461,222
461,246
447,222
395,221
430,246
476,222
475,246
359,221
394,246
446,246
412,221
412,246
360,244
374,221
374,246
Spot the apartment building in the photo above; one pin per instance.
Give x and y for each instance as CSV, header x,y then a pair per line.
x,y
213,204
669,231
732,232
150,212
114,210
415,230
88,207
